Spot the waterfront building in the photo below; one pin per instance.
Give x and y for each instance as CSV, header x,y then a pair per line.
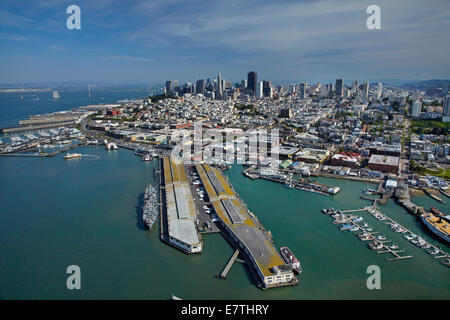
x,y
384,163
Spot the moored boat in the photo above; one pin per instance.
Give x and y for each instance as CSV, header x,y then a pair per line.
x,y
291,259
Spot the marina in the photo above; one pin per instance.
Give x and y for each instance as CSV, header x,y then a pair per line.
x,y
348,221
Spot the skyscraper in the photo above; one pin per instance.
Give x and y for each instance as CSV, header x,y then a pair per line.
x,y
251,81
266,88
200,86
219,88
259,90
303,87
366,90
169,88
379,90
339,87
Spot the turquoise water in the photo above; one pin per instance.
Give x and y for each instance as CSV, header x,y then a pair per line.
x,y
55,213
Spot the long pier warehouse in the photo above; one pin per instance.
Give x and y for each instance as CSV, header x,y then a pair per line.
x,y
244,231
180,208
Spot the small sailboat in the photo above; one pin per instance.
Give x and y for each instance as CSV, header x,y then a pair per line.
x,y
55,94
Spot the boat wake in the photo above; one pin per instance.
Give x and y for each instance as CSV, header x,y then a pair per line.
x,y
91,157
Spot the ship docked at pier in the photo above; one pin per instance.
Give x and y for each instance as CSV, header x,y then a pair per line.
x,y
439,225
291,259
150,209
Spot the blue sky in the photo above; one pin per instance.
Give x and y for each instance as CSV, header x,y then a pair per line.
x,y
148,41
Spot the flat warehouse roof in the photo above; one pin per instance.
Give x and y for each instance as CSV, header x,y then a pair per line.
x,y
232,210
262,250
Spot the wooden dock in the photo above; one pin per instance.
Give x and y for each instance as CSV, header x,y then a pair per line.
x,y
227,268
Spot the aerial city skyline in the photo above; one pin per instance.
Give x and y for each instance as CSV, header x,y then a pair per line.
x,y
213,150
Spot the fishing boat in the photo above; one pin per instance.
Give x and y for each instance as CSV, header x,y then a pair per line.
x,y
146,157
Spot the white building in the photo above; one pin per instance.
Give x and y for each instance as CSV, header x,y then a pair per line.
x,y
416,108
259,90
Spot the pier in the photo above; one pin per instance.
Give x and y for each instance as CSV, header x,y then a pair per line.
x,y
37,127
244,232
435,197
227,268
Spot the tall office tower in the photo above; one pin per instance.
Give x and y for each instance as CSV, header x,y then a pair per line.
x,y
292,88
331,89
200,86
366,90
356,85
416,108
244,84
266,88
303,87
252,78
175,83
208,80
259,90
446,111
379,90
219,87
339,87
169,88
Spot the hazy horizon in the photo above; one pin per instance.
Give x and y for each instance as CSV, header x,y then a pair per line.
x,y
144,42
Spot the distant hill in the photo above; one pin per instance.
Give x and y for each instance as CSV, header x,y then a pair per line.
x,y
428,84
